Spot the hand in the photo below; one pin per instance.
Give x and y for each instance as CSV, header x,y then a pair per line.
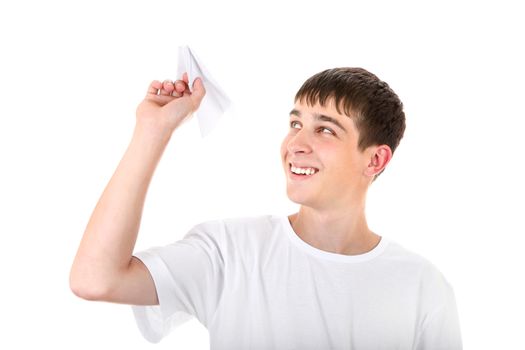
x,y
167,105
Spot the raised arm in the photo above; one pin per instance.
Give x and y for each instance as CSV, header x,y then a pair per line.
x,y
103,268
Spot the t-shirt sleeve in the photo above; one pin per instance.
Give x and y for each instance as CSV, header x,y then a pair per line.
x,y
188,277
441,327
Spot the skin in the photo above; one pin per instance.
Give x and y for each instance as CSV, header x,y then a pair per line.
x,y
332,202
169,104
104,268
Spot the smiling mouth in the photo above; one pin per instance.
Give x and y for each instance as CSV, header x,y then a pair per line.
x,y
308,174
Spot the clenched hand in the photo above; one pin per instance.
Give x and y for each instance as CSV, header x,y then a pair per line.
x,y
167,105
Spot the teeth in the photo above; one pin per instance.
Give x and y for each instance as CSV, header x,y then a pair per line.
x,y
307,171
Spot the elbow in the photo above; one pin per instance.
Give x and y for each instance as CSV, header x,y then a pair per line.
x,y
86,289
86,294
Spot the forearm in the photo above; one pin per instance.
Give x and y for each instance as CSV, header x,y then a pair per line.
x,y
109,239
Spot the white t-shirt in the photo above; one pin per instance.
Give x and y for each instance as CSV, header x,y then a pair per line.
x,y
254,284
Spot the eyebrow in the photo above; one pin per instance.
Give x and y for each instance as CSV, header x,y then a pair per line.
x,y
320,117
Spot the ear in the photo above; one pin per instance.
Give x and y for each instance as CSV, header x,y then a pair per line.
x,y
379,157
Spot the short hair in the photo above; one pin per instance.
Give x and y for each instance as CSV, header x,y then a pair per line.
x,y
374,107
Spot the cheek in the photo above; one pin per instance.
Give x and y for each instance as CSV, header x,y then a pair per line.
x,y
343,164
284,149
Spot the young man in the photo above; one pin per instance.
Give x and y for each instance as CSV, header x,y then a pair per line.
x,y
317,279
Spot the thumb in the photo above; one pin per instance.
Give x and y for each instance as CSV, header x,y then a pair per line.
x,y
198,91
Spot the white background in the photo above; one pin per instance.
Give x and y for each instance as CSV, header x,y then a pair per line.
x,y
73,73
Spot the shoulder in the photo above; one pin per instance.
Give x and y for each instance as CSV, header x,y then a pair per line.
x,y
236,228
404,257
232,225
235,238
424,272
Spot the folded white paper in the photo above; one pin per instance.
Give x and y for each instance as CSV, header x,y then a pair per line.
x,y
215,102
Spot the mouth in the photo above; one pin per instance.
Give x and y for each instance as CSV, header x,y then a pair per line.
x,y
302,176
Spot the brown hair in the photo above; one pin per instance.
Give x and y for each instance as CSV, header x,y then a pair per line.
x,y
375,108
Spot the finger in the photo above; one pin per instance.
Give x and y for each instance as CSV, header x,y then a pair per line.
x,y
175,93
180,86
198,91
154,87
167,88
188,91
186,81
161,99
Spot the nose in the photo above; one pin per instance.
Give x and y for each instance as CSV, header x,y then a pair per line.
x,y
299,143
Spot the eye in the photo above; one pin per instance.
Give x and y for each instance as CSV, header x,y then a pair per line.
x,y
330,130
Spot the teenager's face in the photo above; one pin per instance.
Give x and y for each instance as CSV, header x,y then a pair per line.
x,y
313,141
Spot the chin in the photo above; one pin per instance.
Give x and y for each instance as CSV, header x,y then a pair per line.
x,y
301,198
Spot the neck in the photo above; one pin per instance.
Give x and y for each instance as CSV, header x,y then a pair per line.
x,y
335,230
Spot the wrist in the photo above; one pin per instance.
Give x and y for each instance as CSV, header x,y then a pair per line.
x,y
150,141
151,132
